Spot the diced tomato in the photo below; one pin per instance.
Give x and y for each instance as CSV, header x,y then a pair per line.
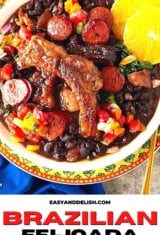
x,y
6,72
136,126
109,138
40,115
24,33
122,120
103,115
34,138
114,110
78,16
22,111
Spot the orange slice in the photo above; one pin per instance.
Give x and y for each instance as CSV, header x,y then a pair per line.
x,y
142,34
123,9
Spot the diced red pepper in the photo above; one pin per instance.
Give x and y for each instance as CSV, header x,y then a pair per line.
x,y
6,72
129,118
40,115
122,120
136,126
109,138
103,115
114,110
74,1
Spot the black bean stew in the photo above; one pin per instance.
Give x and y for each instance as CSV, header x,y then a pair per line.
x,y
65,91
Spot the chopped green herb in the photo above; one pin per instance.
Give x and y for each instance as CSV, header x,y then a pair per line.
x,y
136,65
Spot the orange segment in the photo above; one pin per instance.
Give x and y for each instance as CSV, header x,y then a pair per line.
x,y
142,34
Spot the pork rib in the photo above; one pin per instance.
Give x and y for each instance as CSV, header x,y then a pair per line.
x,y
40,53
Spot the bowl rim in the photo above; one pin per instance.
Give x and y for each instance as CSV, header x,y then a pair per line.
x,y
108,159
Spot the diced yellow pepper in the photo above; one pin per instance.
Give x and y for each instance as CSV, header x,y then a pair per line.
x,y
18,122
33,148
29,123
7,39
16,42
119,131
16,139
71,7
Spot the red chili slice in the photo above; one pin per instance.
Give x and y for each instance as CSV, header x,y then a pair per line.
x,y
16,91
95,32
57,124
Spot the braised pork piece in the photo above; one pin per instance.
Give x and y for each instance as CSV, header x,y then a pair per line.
x,y
80,74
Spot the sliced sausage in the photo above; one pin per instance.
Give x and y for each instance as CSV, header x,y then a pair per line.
x,y
95,32
57,124
59,27
101,13
113,80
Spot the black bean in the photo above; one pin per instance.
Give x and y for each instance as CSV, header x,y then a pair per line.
x,y
102,97
120,98
70,144
73,128
5,59
29,5
67,137
48,147
100,148
58,156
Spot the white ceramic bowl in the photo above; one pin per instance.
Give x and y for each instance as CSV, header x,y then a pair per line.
x,y
100,162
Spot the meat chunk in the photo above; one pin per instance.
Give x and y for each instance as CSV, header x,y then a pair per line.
x,y
103,54
43,19
140,78
68,100
88,72
80,74
40,53
84,80
43,86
